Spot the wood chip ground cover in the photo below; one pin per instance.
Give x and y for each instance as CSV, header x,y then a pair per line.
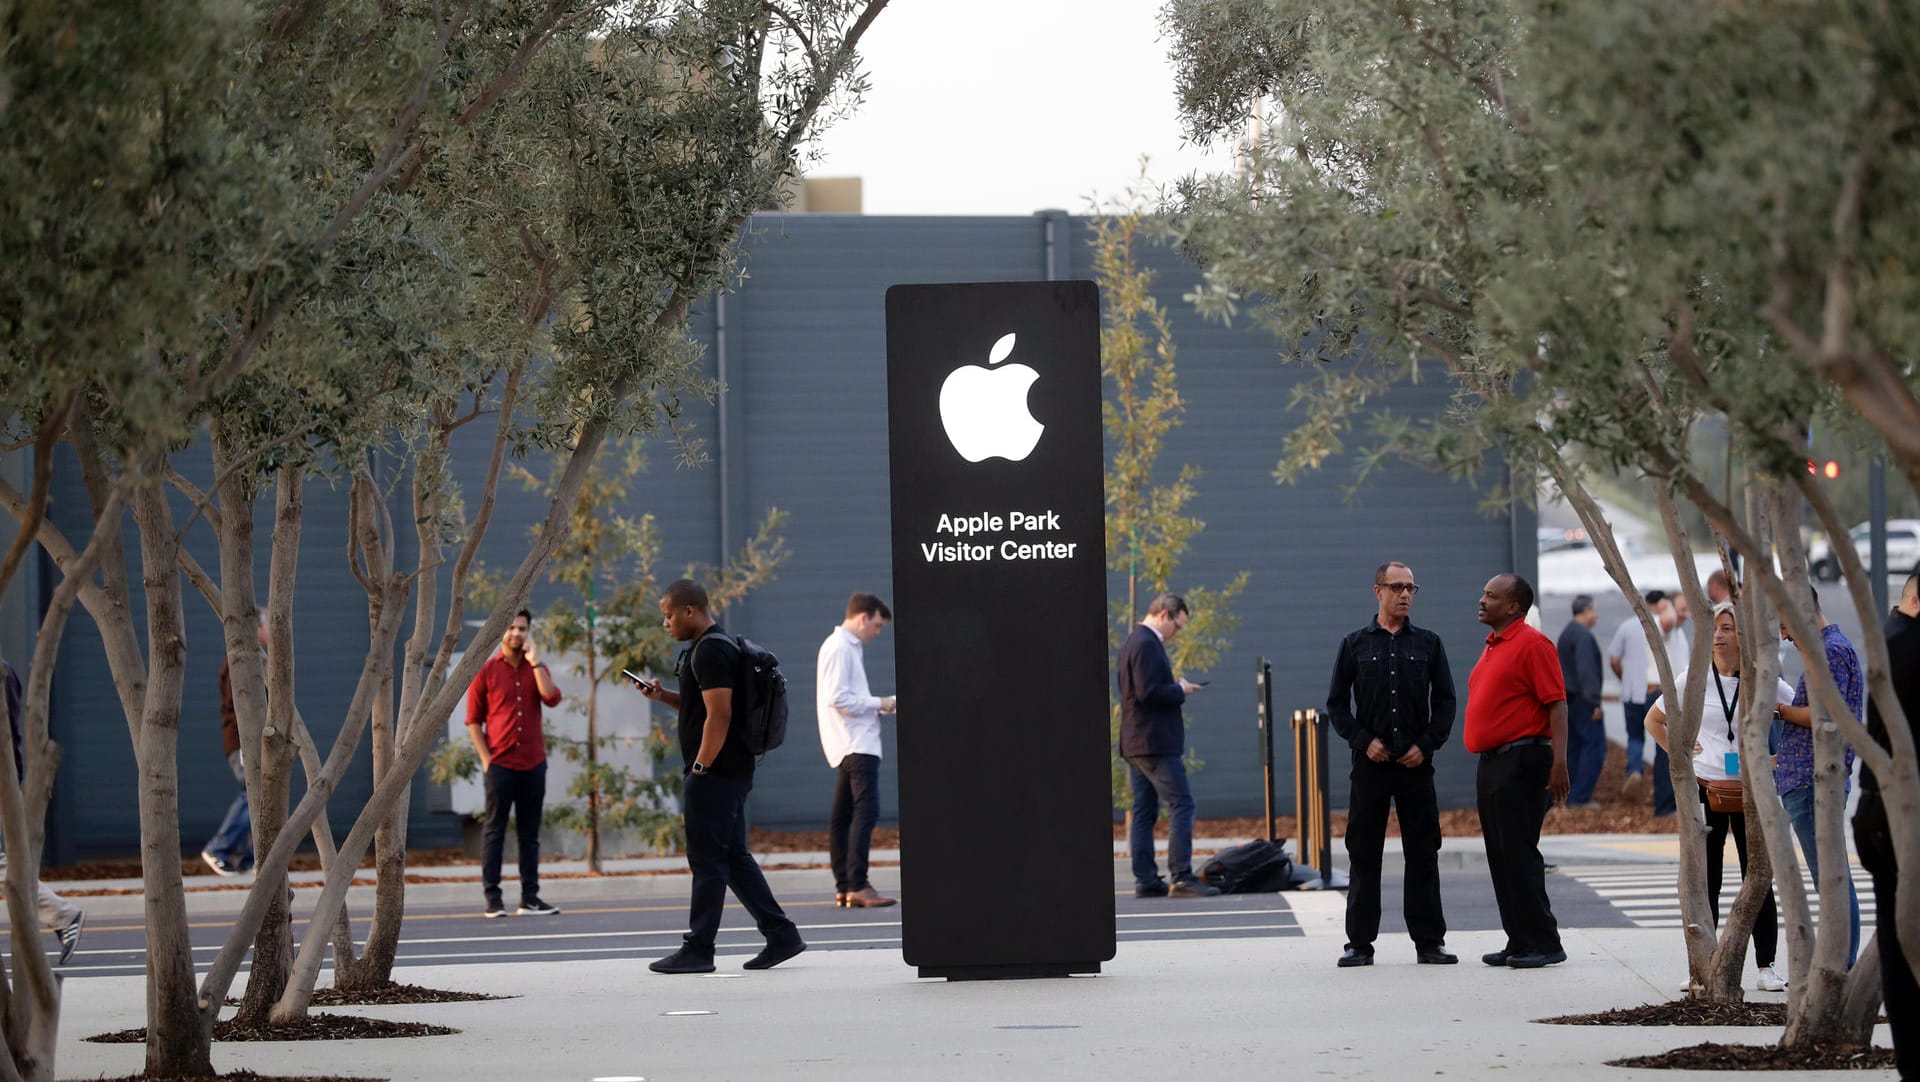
x,y
1765,1057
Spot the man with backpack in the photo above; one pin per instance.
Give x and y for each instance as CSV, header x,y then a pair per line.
x,y
717,674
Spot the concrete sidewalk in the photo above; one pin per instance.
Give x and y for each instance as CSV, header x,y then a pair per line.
x,y
1215,1008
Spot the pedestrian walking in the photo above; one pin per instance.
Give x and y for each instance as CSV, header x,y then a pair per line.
x,y
230,850
503,717
849,715
1586,731
1392,701
1517,724
57,915
719,776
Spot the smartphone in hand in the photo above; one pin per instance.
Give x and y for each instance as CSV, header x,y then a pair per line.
x,y
636,678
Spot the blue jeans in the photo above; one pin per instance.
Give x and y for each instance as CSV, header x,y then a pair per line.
x,y
1586,749
1636,735
233,842
1159,779
1663,802
1799,804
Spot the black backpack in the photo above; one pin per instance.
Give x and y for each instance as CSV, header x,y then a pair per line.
x,y
1254,868
760,697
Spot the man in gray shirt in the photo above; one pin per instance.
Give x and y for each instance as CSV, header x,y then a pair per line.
x,y
1586,733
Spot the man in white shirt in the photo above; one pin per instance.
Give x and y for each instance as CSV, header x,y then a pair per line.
x,y
1639,678
850,735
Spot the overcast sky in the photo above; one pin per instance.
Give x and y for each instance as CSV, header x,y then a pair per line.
x,y
1011,106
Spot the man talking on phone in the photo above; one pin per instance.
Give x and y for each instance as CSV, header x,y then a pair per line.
x,y
503,717
1153,737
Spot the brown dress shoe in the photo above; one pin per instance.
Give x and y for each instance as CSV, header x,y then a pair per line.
x,y
869,898
840,898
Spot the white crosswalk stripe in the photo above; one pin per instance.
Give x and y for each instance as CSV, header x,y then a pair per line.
x,y
1650,898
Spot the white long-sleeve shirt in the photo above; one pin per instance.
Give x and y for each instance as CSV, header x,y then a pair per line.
x,y
849,711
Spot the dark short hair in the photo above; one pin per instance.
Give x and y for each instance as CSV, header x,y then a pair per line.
x,y
528,615
1170,604
1581,603
1654,597
1380,573
1815,591
1912,584
681,593
1522,593
868,604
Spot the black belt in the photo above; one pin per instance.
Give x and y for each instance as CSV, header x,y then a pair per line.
x,y
1523,742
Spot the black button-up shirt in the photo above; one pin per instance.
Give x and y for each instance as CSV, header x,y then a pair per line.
x,y
1392,687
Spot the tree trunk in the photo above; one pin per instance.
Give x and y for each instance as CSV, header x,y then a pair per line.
x,y
273,944
1863,997
593,753
373,968
179,1037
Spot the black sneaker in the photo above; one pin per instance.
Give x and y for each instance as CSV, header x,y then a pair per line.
x,y
70,936
1155,889
494,909
683,961
1536,959
538,908
774,954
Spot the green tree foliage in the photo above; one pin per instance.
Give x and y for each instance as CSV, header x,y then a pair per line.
x,y
1148,529
1605,226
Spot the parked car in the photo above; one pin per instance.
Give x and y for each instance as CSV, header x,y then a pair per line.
x,y
1903,549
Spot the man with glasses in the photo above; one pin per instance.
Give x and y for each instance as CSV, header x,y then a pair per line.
x,y
1392,701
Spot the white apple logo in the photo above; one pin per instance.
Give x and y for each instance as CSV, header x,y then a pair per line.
x,y
985,409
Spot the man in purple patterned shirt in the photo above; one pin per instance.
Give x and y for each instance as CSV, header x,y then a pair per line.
x,y
1793,761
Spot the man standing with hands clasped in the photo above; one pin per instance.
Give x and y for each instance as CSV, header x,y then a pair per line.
x,y
1517,724
503,717
1153,737
1392,701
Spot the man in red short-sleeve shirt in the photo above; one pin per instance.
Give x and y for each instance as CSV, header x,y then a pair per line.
x,y
503,717
1517,724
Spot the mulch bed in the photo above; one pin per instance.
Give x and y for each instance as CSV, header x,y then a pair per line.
x,y
1765,1057
1680,1012
315,1027
393,993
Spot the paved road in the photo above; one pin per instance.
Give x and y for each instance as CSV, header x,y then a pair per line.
x,y
455,933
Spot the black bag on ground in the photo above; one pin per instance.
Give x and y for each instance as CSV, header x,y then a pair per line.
x,y
1258,867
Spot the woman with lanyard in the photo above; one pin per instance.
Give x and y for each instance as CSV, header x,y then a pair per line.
x,y
1716,763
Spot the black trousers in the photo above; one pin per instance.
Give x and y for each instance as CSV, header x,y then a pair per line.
x,y
1766,926
856,807
1375,788
718,857
1513,798
523,793
1898,989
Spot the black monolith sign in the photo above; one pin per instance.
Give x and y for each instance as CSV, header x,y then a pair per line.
x,y
999,579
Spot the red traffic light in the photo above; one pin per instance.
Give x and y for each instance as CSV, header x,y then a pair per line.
x,y
1833,469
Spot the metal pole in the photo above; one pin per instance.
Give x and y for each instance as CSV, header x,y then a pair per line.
x,y
1264,678
1301,782
1877,514
1322,798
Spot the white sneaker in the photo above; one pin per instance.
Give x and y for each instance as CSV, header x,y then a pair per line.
x,y
1771,980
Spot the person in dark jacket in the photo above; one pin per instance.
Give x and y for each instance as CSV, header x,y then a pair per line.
x,y
1586,732
1153,737
1392,701
1874,840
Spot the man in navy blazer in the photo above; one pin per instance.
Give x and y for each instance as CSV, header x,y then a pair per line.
x,y
1153,737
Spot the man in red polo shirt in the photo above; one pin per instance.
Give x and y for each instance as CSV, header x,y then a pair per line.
x,y
1517,724
503,717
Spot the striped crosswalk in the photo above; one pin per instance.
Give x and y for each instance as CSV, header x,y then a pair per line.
x,y
1649,896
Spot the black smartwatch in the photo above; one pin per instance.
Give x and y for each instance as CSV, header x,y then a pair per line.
x,y
698,767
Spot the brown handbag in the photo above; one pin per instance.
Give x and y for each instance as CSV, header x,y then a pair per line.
x,y
1725,796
